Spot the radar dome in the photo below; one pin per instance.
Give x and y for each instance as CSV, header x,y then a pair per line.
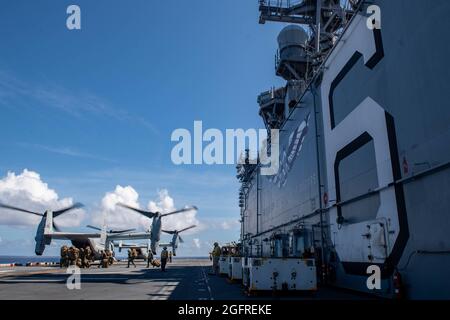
x,y
292,35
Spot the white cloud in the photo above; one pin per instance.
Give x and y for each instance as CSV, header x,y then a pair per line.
x,y
164,204
226,225
196,243
126,195
117,217
28,191
231,224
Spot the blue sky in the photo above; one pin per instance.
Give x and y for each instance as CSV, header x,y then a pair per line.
x,y
95,108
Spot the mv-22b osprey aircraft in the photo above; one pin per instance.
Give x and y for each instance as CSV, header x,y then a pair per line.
x,y
144,249
175,238
47,231
156,227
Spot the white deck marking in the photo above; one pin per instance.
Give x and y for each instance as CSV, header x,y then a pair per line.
x,y
166,289
205,278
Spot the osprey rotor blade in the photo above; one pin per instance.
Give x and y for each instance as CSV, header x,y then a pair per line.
x,y
180,211
148,214
121,231
5,206
168,232
193,226
92,227
181,239
72,207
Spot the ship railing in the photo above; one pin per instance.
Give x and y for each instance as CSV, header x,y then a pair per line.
x,y
282,4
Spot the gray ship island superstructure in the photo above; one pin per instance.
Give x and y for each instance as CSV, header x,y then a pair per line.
x,y
364,175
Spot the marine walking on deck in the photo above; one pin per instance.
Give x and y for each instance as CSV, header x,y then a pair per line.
x,y
164,257
215,256
131,256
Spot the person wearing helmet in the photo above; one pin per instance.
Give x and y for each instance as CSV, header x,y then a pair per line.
x,y
64,261
215,256
131,257
164,256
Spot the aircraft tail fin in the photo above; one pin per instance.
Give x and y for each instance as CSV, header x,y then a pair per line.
x,y
44,233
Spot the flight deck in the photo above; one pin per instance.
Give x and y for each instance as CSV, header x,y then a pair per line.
x,y
185,279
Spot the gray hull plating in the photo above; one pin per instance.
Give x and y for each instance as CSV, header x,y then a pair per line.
x,y
368,146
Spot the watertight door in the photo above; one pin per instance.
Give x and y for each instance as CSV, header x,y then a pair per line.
x,y
377,242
